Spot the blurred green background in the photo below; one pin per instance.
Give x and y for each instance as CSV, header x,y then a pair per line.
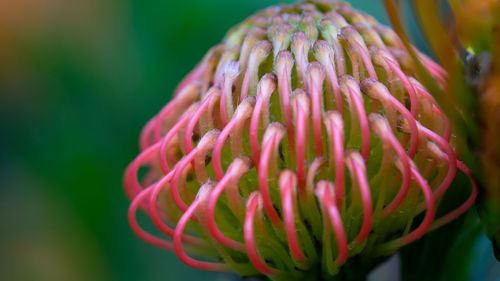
x,y
78,80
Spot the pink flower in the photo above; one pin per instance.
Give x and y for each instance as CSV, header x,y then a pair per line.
x,y
301,141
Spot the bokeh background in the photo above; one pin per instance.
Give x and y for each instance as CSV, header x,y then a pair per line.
x,y
78,80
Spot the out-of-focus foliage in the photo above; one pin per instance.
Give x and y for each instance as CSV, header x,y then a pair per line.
x,y
478,29
465,38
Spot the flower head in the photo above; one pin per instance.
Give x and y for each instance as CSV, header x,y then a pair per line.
x,y
300,144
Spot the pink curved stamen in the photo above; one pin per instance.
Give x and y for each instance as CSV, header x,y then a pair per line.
x,y
325,197
216,155
222,107
177,242
335,129
412,150
284,63
251,39
155,217
368,33
382,128
335,86
301,118
462,208
208,140
254,203
269,144
435,69
406,83
433,65
315,81
131,183
379,91
162,159
300,48
327,60
245,84
429,214
212,201
405,185
339,58
446,123
287,184
234,198
171,111
258,54
317,164
281,38
141,233
264,91
365,57
179,169
452,160
242,114
389,36
358,173
357,99
354,63
230,75
188,134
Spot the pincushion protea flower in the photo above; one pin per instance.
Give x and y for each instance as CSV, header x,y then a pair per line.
x,y
299,146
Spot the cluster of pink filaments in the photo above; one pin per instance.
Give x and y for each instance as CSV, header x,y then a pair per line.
x,y
301,140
